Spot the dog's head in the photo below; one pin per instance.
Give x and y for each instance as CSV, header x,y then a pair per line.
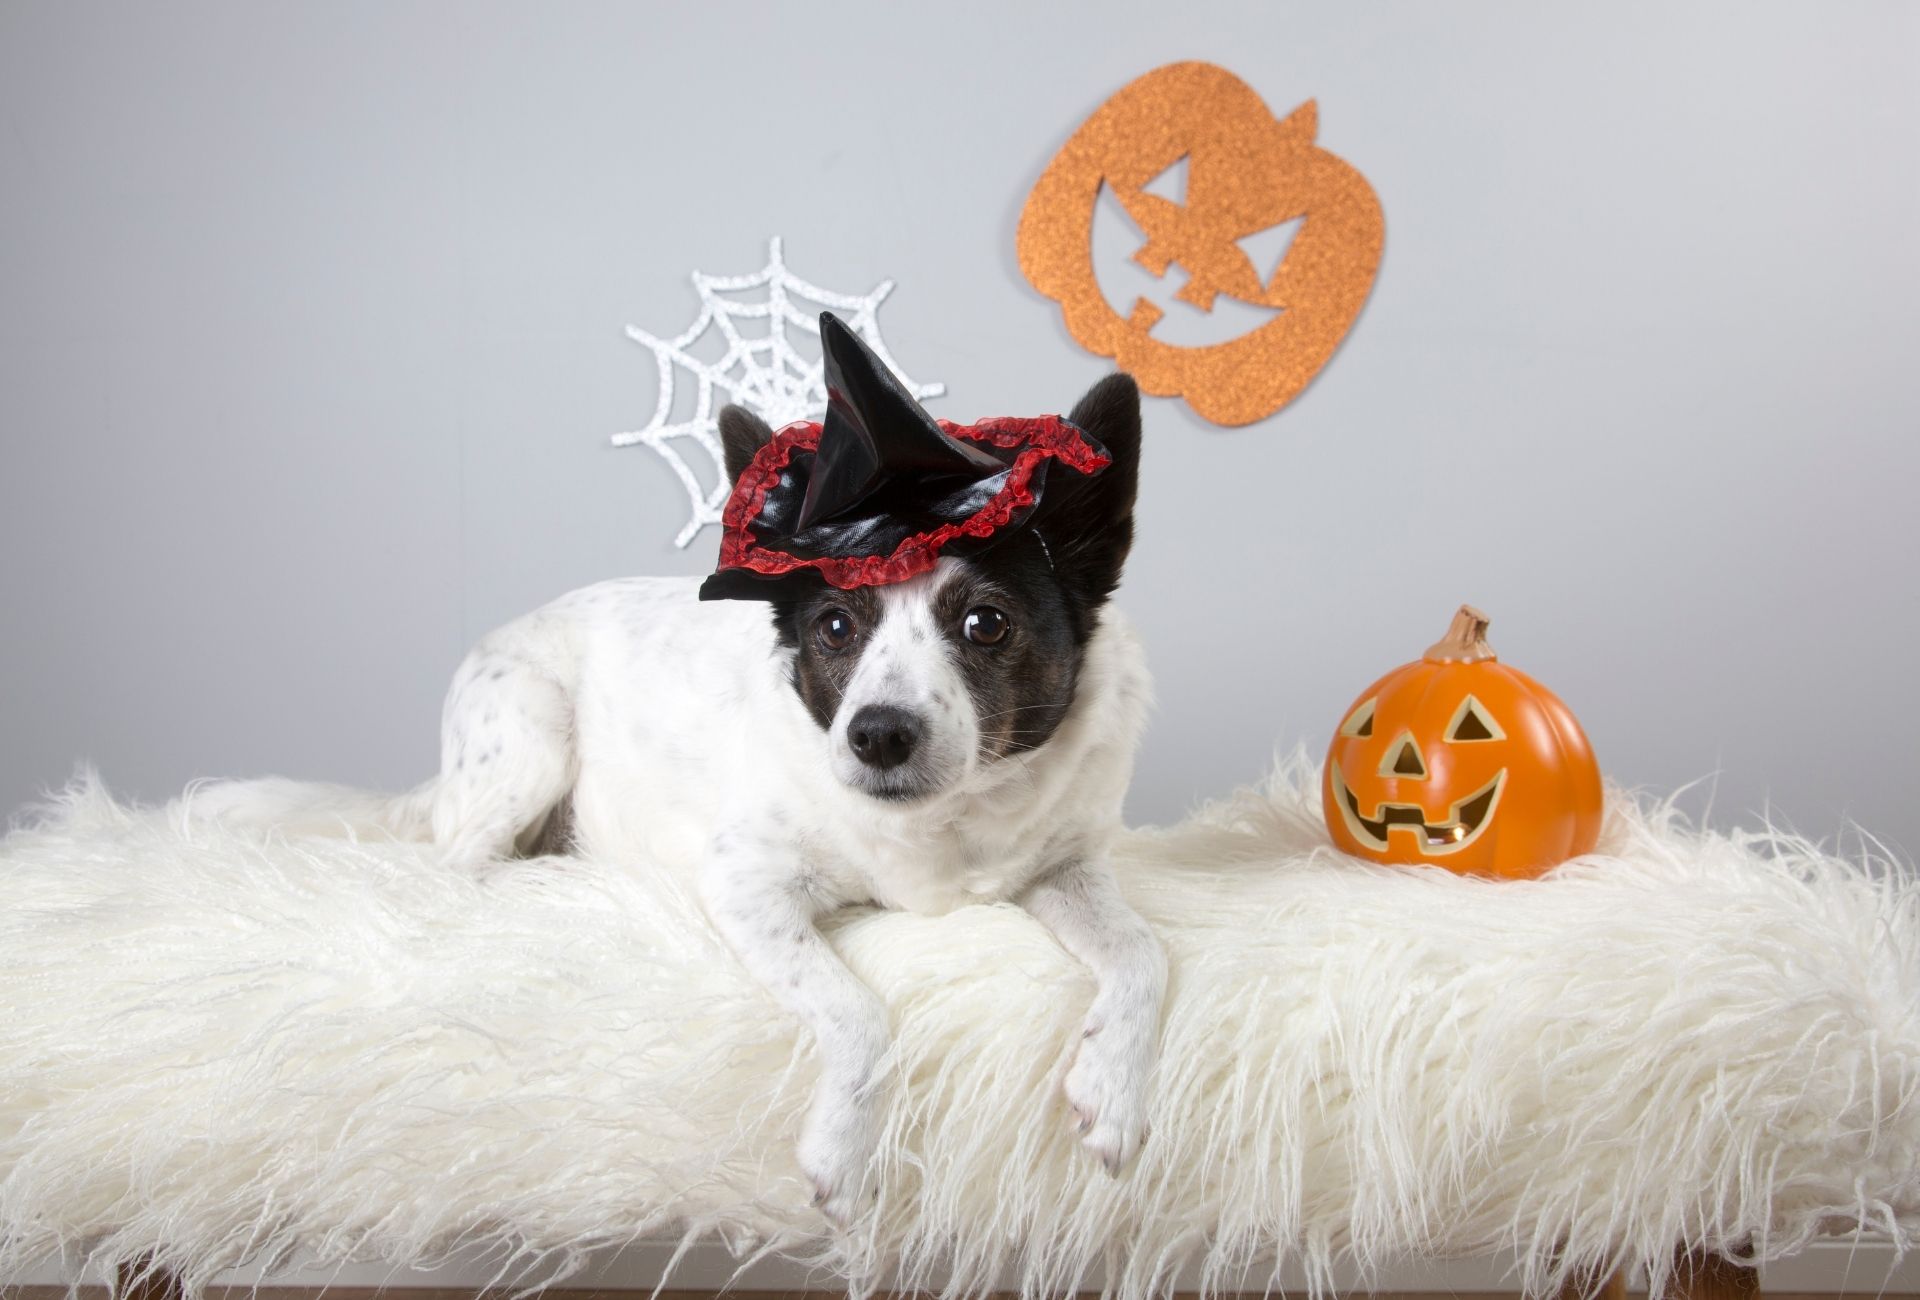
x,y
922,685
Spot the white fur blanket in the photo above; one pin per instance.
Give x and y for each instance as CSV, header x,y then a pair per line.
x,y
222,1048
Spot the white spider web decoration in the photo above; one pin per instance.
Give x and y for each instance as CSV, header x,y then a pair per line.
x,y
758,367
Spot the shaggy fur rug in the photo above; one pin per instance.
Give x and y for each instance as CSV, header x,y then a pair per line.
x,y
223,1048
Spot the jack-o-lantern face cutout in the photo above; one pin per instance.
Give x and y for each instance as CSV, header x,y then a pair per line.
x,y
1459,761
1246,173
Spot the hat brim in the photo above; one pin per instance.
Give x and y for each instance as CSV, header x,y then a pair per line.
x,y
886,541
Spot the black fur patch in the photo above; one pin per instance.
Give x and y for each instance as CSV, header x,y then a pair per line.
x,y
820,675
1020,689
742,433
1089,529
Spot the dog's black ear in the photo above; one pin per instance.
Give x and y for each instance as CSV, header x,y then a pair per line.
x,y
742,433
1090,531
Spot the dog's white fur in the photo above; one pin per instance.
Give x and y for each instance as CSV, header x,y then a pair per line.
x,y
675,729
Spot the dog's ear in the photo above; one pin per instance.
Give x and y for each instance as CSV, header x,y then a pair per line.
x,y
742,433
1089,533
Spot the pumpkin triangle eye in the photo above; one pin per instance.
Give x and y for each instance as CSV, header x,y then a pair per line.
x,y
1406,761
1267,249
1472,728
1471,721
1359,722
1170,184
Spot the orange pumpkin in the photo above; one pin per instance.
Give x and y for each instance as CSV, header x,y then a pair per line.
x,y
1458,761
1246,172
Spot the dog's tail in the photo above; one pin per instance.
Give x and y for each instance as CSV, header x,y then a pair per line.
x,y
311,808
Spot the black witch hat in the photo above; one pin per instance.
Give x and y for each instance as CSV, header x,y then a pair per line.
x,y
880,490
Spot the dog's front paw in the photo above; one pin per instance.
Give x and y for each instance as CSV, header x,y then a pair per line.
x,y
836,1152
1106,1093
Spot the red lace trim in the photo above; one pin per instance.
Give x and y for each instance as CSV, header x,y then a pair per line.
x,y
1047,437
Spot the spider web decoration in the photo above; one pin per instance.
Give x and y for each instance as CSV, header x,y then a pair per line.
x,y
759,368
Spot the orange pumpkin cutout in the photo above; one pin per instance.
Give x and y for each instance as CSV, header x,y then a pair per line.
x,y
1246,173
1458,761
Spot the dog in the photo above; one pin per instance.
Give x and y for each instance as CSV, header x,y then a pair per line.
x,y
963,736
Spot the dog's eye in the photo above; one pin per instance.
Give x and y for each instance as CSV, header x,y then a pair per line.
x,y
985,625
835,629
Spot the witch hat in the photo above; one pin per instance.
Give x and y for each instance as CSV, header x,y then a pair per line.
x,y
880,490
875,431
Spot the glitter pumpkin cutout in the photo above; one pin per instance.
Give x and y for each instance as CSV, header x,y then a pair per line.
x,y
1246,173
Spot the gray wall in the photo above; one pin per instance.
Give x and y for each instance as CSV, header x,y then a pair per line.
x,y
313,340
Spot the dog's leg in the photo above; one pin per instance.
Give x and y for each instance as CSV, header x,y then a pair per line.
x,y
1107,1085
507,756
766,914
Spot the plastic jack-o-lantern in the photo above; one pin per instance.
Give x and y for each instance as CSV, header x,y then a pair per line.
x,y
1246,173
1459,761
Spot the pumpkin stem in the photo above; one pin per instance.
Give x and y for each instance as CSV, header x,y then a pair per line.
x,y
1465,641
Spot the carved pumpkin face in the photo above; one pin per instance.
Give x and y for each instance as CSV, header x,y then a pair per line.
x,y
1245,173
1457,760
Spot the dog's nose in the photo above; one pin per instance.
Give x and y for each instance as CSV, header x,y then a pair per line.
x,y
883,736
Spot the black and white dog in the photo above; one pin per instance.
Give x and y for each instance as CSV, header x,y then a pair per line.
x,y
964,736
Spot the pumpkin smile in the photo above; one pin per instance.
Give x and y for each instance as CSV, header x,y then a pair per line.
x,y
1467,817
